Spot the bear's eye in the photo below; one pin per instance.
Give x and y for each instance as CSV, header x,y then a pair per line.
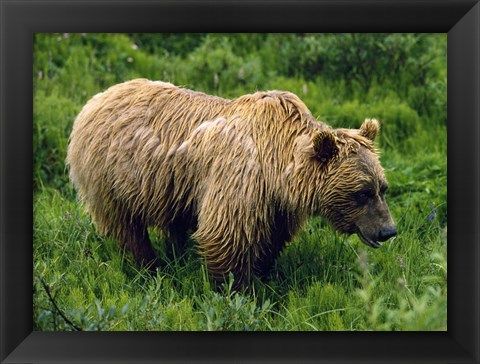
x,y
383,189
364,195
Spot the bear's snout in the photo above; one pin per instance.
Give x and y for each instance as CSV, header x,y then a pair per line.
x,y
387,233
373,236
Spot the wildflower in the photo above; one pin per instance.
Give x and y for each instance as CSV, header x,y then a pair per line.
x,y
434,212
129,59
134,46
363,261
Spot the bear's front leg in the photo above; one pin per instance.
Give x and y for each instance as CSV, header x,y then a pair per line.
x,y
228,245
222,256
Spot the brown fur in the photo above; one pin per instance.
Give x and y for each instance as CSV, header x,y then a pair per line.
x,y
242,174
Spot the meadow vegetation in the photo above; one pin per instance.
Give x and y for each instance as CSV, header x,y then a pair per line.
x,y
322,280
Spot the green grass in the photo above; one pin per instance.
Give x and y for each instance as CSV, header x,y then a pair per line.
x,y
322,280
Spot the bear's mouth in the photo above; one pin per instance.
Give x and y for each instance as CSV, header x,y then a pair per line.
x,y
367,241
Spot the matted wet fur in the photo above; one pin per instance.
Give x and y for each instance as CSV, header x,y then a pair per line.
x,y
242,175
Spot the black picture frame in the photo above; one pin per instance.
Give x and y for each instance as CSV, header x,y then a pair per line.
x,y
19,20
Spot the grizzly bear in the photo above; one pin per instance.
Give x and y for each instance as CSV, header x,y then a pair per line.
x,y
240,175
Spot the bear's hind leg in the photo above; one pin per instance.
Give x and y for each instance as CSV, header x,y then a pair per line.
x,y
133,237
177,234
176,241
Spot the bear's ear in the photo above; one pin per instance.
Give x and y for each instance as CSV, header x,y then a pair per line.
x,y
324,145
370,129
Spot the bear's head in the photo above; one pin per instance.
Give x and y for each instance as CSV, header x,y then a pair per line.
x,y
352,193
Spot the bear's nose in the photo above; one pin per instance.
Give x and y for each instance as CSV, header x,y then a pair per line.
x,y
387,233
